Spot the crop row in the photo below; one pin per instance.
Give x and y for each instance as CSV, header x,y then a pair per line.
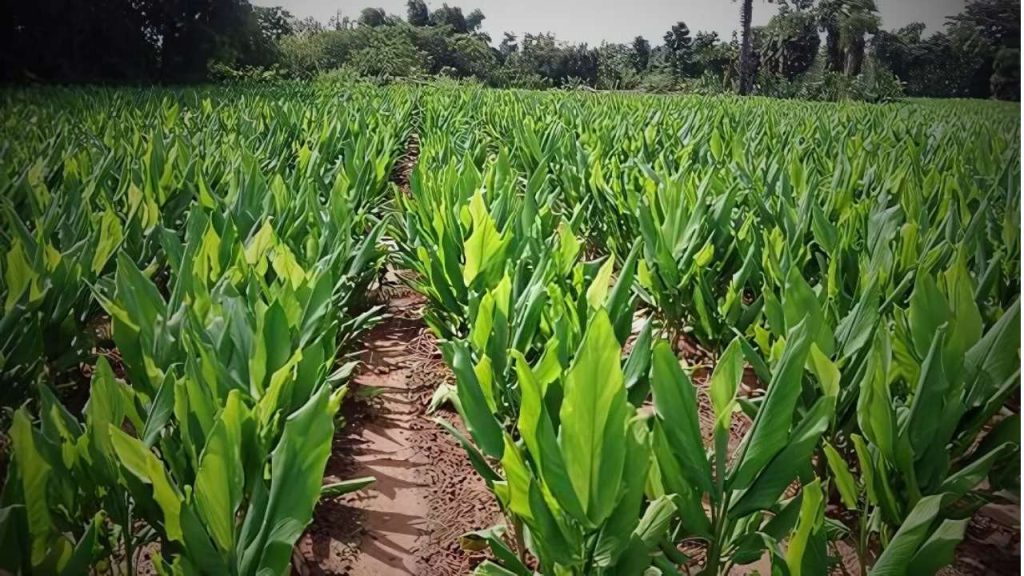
x,y
862,262
849,275
213,252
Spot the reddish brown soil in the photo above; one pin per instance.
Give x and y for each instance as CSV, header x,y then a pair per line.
x,y
426,494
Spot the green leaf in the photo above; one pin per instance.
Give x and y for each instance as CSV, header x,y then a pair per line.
x,y
598,290
147,468
494,537
538,433
997,354
488,568
854,331
484,244
221,476
801,305
297,467
593,420
825,371
928,311
654,524
346,486
87,550
108,238
476,412
940,548
477,459
896,559
724,380
845,482
34,472
806,552
675,404
770,430
780,472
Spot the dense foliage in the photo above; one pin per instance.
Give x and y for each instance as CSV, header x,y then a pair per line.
x,y
183,273
205,255
861,268
811,49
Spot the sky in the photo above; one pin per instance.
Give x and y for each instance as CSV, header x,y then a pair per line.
x,y
593,21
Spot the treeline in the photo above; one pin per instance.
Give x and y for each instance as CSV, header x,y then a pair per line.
x,y
820,49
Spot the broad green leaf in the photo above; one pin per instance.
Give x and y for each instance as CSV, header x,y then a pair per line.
x,y
770,430
806,552
895,560
538,433
147,468
724,381
801,306
825,371
779,473
485,244
221,476
845,482
928,311
296,469
598,290
34,472
675,404
940,548
346,486
108,238
593,420
476,413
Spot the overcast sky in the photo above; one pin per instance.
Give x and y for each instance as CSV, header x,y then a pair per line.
x,y
592,21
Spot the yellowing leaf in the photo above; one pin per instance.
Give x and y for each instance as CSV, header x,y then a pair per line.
x,y
110,236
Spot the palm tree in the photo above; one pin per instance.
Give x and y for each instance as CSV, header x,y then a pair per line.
x,y
861,18
845,22
746,13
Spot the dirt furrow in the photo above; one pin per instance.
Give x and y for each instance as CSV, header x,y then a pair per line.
x,y
426,494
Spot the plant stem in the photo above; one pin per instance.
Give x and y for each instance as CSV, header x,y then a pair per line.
x,y
517,533
129,547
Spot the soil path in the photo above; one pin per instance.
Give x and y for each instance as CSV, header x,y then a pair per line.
x,y
426,494
394,509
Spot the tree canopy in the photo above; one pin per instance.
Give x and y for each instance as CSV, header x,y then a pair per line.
x,y
806,44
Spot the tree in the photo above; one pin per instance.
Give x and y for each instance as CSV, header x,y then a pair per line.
x,y
997,21
789,43
275,22
680,50
373,17
711,56
828,14
306,26
339,21
845,23
508,46
1005,80
860,18
417,13
746,74
641,53
616,68
474,20
899,50
386,54
450,16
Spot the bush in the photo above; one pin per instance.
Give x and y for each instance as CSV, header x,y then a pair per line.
x,y
1005,81
659,82
510,75
223,72
387,55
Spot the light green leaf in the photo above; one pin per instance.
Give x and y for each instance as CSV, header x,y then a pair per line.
x,y
844,479
593,420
